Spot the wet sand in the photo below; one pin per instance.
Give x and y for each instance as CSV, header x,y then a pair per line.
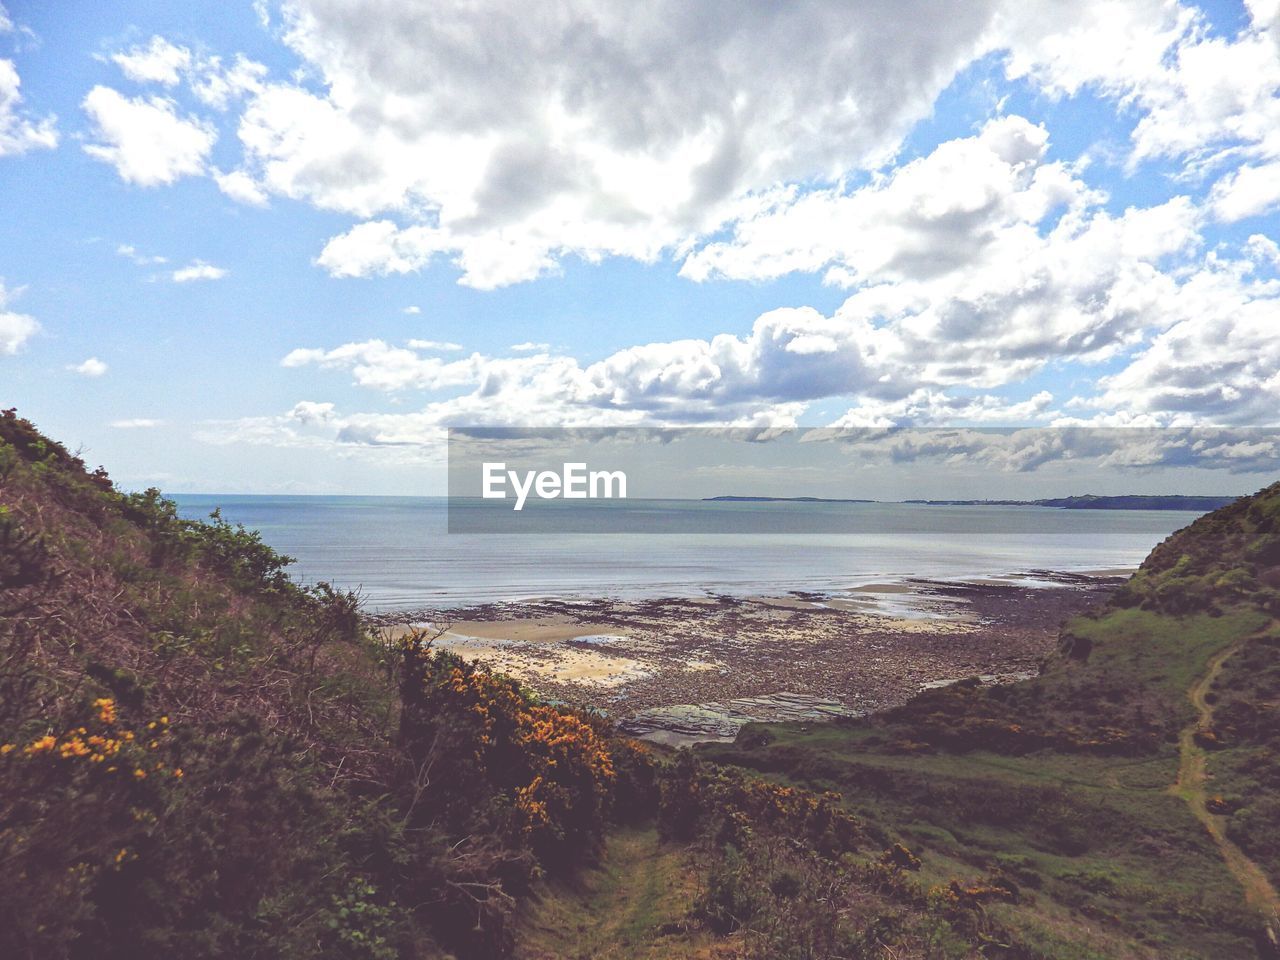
x,y
867,648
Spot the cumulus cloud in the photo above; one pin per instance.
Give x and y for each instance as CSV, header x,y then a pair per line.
x,y
1220,363
20,133
93,367
1191,340
309,411
924,407
571,143
145,139
928,217
1029,449
981,264
218,85
967,270
198,270
210,78
241,187
1199,96
15,328
1248,191
136,423
158,62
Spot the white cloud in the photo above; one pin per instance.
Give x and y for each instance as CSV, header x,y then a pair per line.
x,y
975,265
213,83
15,328
1193,334
926,218
1248,191
93,367
19,133
572,143
1200,96
159,62
929,407
1220,363
198,270
530,346
218,86
442,346
380,247
241,187
1214,93
6,25
130,252
136,423
309,411
145,139
412,310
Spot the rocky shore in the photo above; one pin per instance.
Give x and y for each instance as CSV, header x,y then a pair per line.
x,y
678,669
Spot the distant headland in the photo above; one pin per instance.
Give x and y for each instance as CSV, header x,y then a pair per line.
x,y
1086,501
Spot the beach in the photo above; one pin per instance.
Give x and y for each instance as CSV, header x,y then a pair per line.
x,y
648,663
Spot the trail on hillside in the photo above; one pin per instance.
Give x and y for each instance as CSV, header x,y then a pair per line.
x,y
1192,776
630,907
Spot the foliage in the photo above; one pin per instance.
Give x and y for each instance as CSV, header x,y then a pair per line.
x,y
534,774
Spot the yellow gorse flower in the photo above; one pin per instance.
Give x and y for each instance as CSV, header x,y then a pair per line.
x,y
43,745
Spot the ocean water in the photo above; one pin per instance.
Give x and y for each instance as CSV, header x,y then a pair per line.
x,y
397,551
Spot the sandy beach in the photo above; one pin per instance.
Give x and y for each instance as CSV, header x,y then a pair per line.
x,y
858,650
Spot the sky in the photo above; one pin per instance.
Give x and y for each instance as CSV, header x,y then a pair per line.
x,y
282,246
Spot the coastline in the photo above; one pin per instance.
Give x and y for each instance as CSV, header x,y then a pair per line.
x,y
683,669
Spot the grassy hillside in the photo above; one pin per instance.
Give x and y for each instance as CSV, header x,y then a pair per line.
x,y
199,758
1128,792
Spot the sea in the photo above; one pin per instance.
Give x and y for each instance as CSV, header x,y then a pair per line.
x,y
398,553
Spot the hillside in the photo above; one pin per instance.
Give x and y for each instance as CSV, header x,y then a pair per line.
x,y
199,758
1126,796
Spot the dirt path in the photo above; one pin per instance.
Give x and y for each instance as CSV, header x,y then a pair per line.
x,y
630,907
1190,785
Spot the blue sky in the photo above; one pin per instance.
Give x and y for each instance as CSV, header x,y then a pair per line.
x,y
282,246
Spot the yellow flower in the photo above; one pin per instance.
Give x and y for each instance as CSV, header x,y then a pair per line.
x,y
178,773
140,774
74,748
106,709
43,745
6,749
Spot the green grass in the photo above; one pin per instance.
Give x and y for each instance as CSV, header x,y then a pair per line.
x,y
1097,840
633,905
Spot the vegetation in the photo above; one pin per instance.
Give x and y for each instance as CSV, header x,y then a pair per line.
x,y
200,758
1080,788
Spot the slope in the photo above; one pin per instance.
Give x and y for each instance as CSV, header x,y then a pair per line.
x,y
1061,783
